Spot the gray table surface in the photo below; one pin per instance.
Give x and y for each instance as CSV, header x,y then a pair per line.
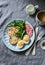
x,y
8,57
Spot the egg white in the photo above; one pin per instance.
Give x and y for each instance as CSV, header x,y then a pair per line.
x,y
26,39
21,42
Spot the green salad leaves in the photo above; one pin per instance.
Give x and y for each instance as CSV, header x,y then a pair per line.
x,y
20,26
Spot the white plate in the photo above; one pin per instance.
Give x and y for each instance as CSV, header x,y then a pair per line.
x,y
14,47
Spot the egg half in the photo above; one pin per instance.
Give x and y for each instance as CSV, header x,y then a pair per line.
x,y
20,44
26,39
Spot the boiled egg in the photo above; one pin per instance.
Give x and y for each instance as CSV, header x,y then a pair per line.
x,y
26,39
20,44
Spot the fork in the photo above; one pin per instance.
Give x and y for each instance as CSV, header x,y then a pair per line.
x,y
38,38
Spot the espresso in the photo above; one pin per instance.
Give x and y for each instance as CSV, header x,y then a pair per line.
x,y
41,16
43,44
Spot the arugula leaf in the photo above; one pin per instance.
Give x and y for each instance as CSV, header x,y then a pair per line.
x,y
20,26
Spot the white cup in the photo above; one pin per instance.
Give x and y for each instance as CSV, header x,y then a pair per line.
x,y
31,9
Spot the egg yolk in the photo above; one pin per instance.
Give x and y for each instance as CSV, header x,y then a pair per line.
x,y
20,43
26,38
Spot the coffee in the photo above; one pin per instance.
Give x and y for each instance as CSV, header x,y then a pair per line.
x,y
43,44
41,16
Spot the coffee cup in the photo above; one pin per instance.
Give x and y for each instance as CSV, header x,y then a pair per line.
x,y
43,44
40,17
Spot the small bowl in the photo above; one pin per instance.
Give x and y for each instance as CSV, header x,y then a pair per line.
x,y
40,17
42,44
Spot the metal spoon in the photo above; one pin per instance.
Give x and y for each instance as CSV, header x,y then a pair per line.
x,y
38,38
36,30
30,49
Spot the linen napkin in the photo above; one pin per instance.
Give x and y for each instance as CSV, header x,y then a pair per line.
x,y
2,19
0,12
3,3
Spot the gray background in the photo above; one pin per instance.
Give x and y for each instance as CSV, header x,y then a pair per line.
x,y
8,57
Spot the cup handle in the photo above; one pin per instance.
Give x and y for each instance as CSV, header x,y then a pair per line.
x,y
36,6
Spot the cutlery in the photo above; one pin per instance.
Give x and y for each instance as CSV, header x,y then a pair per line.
x,y
38,38
36,31
30,49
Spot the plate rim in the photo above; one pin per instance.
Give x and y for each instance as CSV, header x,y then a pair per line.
x,y
4,40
